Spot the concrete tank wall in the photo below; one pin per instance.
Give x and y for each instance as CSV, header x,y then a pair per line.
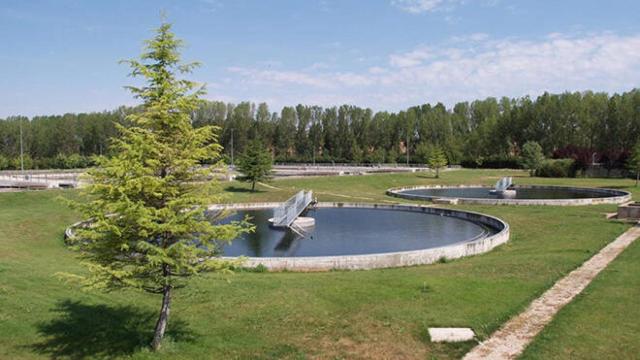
x,y
386,260
613,196
374,261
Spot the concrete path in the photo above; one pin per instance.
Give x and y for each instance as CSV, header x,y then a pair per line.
x,y
517,333
268,186
345,196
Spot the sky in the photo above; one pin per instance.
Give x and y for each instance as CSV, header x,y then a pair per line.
x,y
60,56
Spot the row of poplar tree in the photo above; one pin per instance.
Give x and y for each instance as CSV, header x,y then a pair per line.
x,y
584,126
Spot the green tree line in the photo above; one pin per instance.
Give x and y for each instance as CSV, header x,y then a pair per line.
x,y
586,126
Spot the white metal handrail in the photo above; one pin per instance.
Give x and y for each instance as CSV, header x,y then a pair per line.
x,y
503,184
285,214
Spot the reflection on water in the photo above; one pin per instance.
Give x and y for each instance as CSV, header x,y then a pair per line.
x,y
350,231
524,193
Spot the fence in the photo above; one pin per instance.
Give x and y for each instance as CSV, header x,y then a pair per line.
x,y
286,213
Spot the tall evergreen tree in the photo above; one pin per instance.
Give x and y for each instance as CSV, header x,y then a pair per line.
x,y
437,160
255,164
147,202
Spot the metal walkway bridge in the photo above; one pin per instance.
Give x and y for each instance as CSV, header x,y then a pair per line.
x,y
285,214
503,184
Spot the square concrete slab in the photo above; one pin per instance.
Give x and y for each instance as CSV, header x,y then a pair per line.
x,y
451,334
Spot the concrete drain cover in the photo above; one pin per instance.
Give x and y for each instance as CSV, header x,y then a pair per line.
x,y
451,334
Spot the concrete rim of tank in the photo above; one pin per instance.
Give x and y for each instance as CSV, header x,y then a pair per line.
x,y
615,196
383,260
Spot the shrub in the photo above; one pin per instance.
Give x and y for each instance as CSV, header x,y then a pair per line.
x,y
582,156
16,162
532,156
557,168
4,163
493,162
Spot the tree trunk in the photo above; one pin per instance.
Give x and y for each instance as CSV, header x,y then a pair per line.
x,y
437,172
161,325
637,177
253,186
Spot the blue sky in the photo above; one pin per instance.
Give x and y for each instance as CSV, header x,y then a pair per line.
x,y
62,56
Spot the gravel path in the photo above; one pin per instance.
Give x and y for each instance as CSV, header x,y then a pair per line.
x,y
517,333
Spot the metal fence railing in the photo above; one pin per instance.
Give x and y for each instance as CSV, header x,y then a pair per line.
x,y
503,184
286,213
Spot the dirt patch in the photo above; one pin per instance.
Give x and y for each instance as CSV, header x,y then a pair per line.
x,y
367,340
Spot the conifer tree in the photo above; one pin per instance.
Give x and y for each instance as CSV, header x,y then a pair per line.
x,y
437,160
147,201
255,164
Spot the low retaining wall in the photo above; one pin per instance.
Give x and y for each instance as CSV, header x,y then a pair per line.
x,y
385,260
629,211
613,196
375,261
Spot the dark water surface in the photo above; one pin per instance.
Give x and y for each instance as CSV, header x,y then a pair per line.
x,y
521,193
351,231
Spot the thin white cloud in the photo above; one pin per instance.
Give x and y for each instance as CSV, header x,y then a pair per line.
x,y
319,65
425,6
418,6
470,37
466,68
411,58
377,70
280,78
211,6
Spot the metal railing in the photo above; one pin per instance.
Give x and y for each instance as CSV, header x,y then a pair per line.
x,y
285,214
503,184
351,165
48,180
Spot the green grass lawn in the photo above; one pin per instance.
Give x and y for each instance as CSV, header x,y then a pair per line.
x,y
603,322
362,314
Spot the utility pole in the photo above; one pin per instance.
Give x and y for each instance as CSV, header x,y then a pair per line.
x,y
407,144
21,149
232,148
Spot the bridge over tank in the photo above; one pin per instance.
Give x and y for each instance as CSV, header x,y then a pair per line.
x,y
285,214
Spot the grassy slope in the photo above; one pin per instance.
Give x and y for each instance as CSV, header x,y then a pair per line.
x,y
382,313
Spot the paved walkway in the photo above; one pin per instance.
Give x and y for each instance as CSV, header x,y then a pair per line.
x,y
269,186
517,333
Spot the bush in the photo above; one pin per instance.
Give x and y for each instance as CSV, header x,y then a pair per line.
x,y
4,163
582,156
493,162
557,168
532,156
16,162
77,161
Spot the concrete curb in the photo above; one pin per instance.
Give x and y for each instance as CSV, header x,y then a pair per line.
x,y
373,261
383,260
615,196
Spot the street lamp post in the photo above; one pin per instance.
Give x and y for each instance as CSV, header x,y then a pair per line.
x,y
407,143
232,148
21,149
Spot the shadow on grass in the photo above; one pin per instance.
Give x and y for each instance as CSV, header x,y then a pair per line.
x,y
426,176
102,331
235,189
